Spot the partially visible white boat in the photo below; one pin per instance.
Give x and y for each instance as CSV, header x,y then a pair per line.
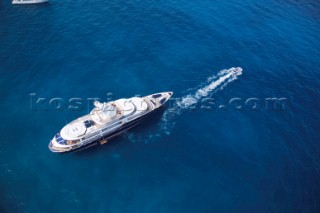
x,y
28,1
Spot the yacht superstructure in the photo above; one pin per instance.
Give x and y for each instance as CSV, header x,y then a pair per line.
x,y
105,121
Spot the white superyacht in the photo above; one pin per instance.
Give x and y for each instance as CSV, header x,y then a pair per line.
x,y
105,121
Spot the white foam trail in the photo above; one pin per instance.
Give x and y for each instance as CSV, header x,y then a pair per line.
x,y
213,83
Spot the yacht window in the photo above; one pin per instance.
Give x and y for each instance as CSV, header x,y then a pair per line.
x,y
59,139
163,100
156,96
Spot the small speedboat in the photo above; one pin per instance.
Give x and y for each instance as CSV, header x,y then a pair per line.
x,y
28,1
105,121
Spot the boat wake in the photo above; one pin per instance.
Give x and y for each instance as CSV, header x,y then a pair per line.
x,y
213,84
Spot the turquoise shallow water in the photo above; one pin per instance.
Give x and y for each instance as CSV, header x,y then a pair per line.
x,y
182,159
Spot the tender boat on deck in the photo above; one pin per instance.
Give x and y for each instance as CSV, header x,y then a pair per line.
x,y
105,121
28,1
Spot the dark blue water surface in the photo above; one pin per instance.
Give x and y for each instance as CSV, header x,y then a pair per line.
x,y
181,159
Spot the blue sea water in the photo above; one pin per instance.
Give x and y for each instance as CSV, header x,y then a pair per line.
x,y
183,159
